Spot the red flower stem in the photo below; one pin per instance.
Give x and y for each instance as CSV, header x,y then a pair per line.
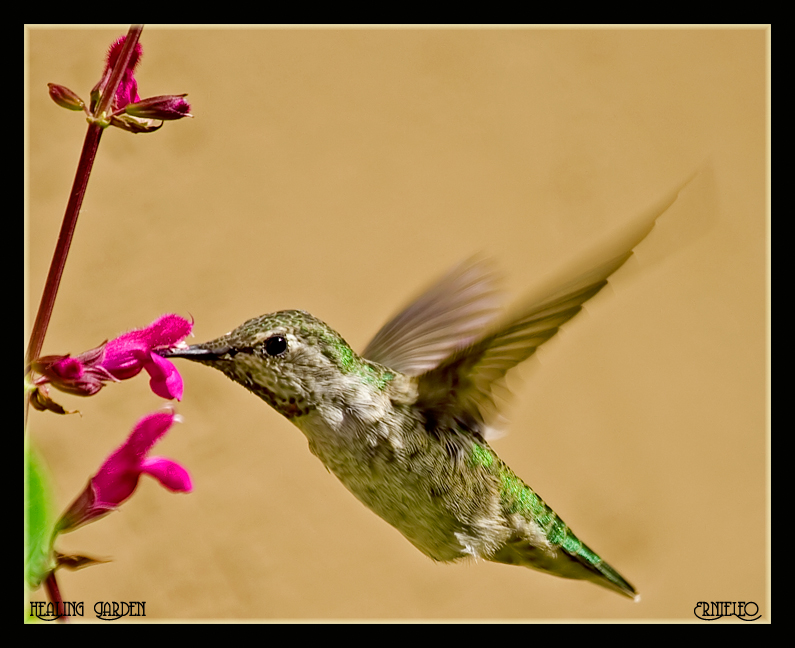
x,y
89,152
54,594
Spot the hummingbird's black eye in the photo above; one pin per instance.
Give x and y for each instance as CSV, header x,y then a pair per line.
x,y
275,345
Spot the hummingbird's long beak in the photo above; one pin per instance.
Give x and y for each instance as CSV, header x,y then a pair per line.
x,y
196,353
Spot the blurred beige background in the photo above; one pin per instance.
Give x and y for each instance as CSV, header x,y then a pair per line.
x,y
339,171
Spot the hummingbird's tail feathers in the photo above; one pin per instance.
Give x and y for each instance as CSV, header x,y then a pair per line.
x,y
580,564
450,314
600,572
609,578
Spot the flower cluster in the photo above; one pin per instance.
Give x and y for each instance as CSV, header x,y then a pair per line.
x,y
127,110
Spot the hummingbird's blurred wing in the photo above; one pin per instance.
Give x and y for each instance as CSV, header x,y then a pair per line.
x,y
451,314
460,389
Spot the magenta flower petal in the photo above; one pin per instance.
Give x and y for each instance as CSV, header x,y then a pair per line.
x,y
118,477
68,368
115,51
165,380
169,473
168,330
127,92
125,356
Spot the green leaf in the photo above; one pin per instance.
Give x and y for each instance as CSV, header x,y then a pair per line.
x,y
38,519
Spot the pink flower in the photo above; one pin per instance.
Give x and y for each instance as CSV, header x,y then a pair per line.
x,y
119,359
126,355
127,92
117,478
126,110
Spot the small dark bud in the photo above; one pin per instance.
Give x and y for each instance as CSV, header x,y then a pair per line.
x,y
65,98
165,107
76,561
41,401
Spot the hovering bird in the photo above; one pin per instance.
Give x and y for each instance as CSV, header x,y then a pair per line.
x,y
404,424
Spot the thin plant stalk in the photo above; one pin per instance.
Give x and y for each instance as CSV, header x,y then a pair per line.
x,y
54,594
90,145
87,156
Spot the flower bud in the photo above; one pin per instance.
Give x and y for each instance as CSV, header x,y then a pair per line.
x,y
165,107
65,98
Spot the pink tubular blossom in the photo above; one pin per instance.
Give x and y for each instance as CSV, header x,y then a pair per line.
x,y
119,359
127,92
126,355
116,480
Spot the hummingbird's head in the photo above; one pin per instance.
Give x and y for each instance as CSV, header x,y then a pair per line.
x,y
290,359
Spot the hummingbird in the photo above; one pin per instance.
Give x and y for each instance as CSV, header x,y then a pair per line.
x,y
405,424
